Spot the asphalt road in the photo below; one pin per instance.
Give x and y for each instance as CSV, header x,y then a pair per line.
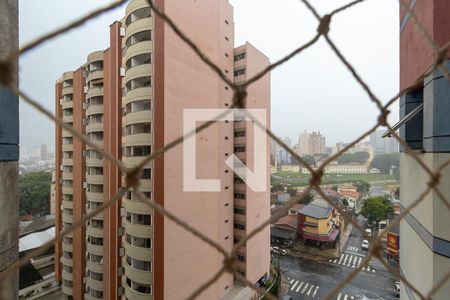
x,y
310,279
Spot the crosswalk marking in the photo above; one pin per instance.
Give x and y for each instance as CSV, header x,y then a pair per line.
x,y
315,291
305,288
352,261
310,289
344,297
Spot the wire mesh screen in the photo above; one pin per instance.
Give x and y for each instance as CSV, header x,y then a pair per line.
x,y
132,176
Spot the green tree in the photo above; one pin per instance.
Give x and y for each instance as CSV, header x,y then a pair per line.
x,y
357,157
384,162
376,209
34,193
334,188
345,202
291,191
278,187
304,199
362,187
309,159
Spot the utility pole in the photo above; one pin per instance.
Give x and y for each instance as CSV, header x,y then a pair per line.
x,y
9,152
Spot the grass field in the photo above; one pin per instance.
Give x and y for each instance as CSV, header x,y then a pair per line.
x,y
297,179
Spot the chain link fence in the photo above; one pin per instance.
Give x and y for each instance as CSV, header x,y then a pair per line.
x,y
132,176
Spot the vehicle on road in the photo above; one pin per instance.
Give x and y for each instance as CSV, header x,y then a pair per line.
x,y
287,297
277,250
397,288
369,232
365,245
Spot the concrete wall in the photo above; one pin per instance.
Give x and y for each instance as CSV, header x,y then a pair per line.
x,y
9,154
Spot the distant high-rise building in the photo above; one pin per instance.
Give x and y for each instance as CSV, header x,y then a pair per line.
x,y
52,194
44,151
130,100
311,143
382,145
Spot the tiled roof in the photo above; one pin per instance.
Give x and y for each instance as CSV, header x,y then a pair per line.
x,y
319,209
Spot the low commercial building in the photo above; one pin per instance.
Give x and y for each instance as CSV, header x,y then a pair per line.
x,y
316,223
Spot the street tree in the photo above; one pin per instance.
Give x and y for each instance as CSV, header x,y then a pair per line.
x,y
362,187
376,209
345,202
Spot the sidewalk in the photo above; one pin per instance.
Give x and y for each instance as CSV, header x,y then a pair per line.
x,y
317,254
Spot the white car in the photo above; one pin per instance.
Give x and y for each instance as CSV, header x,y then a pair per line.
x,y
365,245
277,250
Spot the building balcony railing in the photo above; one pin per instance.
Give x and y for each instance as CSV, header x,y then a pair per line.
x,y
139,26
66,290
94,75
138,275
137,230
143,93
94,162
93,266
67,218
67,119
67,175
94,109
139,48
66,275
67,247
67,91
130,294
144,116
67,147
66,133
94,197
95,284
97,232
139,139
136,207
67,190
138,71
133,161
99,216
67,261
95,249
67,162
94,127
94,92
94,179
139,253
67,204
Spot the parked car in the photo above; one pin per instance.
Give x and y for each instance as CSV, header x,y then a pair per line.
x,y
287,297
369,232
365,245
277,250
397,288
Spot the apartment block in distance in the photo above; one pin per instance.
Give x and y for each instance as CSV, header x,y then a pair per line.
x,y
129,99
424,232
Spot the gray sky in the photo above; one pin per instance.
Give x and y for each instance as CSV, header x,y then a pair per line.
x,y
313,91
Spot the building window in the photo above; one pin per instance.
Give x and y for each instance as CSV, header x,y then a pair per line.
x,y
239,133
239,56
239,211
241,257
147,174
239,196
239,226
239,72
239,149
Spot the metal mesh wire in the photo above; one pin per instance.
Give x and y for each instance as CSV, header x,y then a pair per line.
x,y
229,259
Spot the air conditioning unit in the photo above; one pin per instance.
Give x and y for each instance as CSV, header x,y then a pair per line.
x,y
85,120
122,31
121,251
120,290
120,271
123,212
61,167
61,101
85,185
86,89
85,105
122,72
121,231
84,153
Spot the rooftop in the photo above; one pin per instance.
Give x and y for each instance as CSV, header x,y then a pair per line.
x,y
318,209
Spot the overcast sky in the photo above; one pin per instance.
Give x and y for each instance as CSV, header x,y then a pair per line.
x,y
313,91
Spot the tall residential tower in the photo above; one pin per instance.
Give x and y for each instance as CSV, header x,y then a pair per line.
x,y
130,99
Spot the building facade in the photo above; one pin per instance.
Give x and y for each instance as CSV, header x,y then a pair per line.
x,y
129,99
311,143
424,232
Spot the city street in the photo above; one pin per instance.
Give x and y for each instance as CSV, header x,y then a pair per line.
x,y
312,279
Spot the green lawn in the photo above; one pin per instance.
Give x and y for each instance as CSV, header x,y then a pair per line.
x,y
297,179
